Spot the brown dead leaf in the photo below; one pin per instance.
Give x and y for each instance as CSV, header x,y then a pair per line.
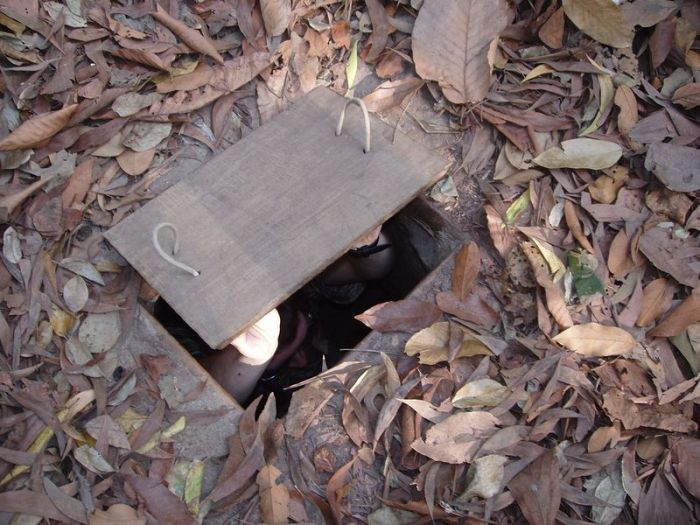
x,y
677,167
341,33
466,270
431,345
274,498
75,293
556,304
620,262
406,315
276,15
36,130
687,96
502,236
552,31
633,415
536,489
685,314
484,392
165,506
606,187
117,514
390,66
450,45
193,38
572,221
391,93
661,503
78,185
602,20
671,254
136,162
596,340
457,438
602,437
685,456
658,296
380,30
581,153
473,309
673,205
629,112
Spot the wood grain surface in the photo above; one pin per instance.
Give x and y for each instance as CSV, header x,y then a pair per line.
x,y
271,212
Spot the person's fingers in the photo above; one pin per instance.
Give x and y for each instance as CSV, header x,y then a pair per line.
x,y
259,342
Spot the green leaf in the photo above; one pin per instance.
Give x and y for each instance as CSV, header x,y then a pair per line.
x,y
582,266
519,205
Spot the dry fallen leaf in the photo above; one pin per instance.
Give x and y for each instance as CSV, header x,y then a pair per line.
x,y
473,309
685,314
603,20
193,38
658,296
432,345
450,43
677,167
117,514
406,315
687,96
274,498
75,293
633,415
136,162
391,93
536,489
276,15
483,392
596,340
466,270
583,153
36,130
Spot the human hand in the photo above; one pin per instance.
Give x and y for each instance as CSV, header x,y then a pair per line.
x,y
258,343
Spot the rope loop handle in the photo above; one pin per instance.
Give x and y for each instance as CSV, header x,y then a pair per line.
x,y
360,103
176,248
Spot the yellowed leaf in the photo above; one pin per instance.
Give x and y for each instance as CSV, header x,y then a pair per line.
x,y
61,322
602,20
432,344
274,498
581,153
483,392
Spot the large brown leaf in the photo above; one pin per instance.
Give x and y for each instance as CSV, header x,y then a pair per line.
x,y
685,455
603,20
36,130
536,490
596,340
661,505
407,315
276,14
451,39
671,254
634,415
677,167
274,498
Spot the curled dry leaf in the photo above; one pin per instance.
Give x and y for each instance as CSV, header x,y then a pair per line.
x,y
685,314
406,315
596,340
193,38
574,225
466,270
35,131
136,162
603,20
605,188
658,296
583,153
450,43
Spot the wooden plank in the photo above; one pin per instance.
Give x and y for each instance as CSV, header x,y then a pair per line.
x,y
272,211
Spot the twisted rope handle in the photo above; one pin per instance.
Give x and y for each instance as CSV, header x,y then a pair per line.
x,y
339,129
176,248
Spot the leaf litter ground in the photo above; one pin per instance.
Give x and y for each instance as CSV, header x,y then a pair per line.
x,y
552,378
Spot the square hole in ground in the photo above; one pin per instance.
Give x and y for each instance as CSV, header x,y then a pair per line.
x,y
318,322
